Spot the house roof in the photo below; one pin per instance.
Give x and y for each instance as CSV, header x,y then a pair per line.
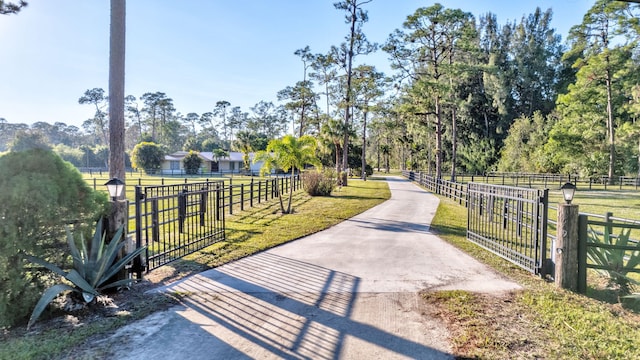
x,y
206,155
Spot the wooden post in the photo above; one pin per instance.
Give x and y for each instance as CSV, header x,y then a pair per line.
x,y
566,266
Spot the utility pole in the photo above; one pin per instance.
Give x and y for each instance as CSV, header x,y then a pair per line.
x,y
118,216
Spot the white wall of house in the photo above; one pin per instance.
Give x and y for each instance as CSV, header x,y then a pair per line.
x,y
173,163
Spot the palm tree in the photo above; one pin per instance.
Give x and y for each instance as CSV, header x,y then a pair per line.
x,y
242,144
217,155
288,153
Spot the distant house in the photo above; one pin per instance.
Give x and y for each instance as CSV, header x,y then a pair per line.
x,y
172,164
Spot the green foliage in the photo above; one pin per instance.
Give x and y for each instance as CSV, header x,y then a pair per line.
x,y
26,140
618,261
40,194
147,156
523,147
192,163
357,172
477,157
319,183
72,155
288,153
93,267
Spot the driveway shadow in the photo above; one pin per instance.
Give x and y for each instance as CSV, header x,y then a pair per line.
x,y
269,306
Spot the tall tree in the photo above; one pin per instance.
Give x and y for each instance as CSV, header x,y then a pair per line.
x,y
135,114
356,44
306,57
423,54
191,119
300,101
152,108
267,120
604,55
97,98
368,84
325,73
220,111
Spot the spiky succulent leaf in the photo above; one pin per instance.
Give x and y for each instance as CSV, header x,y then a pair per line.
x,y
77,280
115,268
75,254
46,264
48,296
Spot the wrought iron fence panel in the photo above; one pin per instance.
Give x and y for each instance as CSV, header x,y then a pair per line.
x,y
173,221
510,222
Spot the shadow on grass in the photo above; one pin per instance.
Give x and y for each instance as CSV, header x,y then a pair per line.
x,y
449,230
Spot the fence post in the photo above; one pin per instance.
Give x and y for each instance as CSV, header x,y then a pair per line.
x,y
251,196
259,191
218,210
241,197
231,199
582,253
203,203
566,266
182,209
137,262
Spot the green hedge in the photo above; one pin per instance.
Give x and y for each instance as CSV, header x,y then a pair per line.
x,y
39,194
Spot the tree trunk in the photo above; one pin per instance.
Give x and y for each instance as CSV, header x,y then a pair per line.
x,y
454,144
438,139
364,147
347,115
610,126
293,172
279,195
118,215
116,89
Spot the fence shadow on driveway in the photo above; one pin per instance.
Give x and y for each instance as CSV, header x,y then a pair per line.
x,y
269,306
393,225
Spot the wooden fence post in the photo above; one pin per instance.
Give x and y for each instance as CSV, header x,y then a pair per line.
x,y
566,267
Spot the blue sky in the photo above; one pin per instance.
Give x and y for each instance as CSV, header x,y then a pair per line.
x,y
197,52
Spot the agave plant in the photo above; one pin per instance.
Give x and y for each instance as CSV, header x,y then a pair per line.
x,y
93,267
617,260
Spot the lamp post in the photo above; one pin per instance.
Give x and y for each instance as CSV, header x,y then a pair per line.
x,y
568,190
566,249
115,187
118,215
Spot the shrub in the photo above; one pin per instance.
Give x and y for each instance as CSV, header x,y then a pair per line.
x,y
319,183
192,163
40,194
147,156
357,172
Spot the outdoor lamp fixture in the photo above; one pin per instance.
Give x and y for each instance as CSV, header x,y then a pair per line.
x,y
115,187
568,190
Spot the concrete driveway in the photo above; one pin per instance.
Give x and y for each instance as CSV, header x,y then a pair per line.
x,y
349,292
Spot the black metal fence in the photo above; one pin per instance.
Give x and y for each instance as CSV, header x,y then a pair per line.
x,y
175,220
514,223
510,222
450,189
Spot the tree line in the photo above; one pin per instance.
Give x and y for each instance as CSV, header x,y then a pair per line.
x,y
465,93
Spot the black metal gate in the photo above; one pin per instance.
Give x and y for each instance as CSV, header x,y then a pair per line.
x,y
510,222
176,220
